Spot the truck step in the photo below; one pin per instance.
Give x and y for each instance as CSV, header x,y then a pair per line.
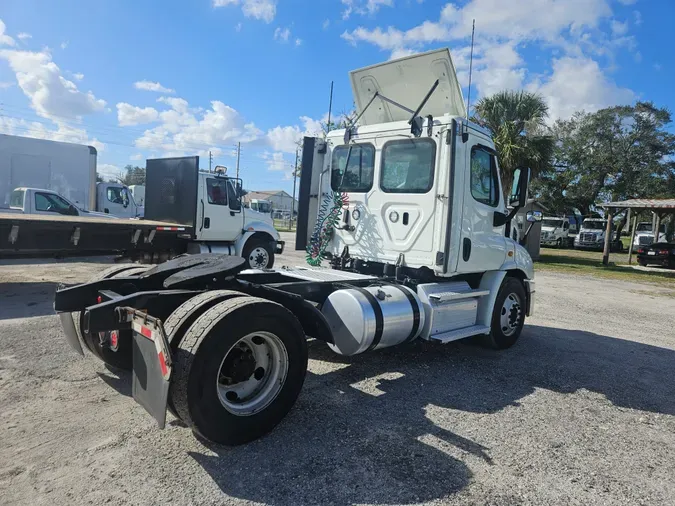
x,y
454,335
446,296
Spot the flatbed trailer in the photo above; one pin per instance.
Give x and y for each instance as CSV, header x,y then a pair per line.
x,y
22,234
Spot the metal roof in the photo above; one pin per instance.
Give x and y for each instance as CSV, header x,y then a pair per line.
x,y
641,204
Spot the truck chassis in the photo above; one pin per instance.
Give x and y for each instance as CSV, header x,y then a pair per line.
x,y
224,349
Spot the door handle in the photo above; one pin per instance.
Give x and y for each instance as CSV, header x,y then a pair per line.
x,y
203,217
466,250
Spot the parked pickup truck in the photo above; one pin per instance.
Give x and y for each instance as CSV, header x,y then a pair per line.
x,y
38,201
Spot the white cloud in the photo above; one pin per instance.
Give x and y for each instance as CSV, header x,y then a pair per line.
x,y
285,138
658,67
275,161
264,10
6,84
51,95
129,115
298,42
108,171
282,34
364,7
152,86
5,40
579,84
136,157
326,24
64,44
637,18
79,76
627,2
24,36
619,28
237,27
183,129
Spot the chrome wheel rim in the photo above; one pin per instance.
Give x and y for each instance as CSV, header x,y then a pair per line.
x,y
252,373
510,315
258,258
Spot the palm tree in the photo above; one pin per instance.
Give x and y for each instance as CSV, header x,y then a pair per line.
x,y
517,121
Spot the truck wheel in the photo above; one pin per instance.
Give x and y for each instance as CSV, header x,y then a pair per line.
x,y
185,315
259,254
121,355
239,370
559,243
508,315
105,274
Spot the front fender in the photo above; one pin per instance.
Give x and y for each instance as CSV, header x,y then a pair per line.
x,y
517,258
255,227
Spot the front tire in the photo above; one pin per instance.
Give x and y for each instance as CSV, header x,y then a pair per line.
x,y
508,315
238,370
259,254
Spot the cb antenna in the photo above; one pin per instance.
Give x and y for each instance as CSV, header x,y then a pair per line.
x,y
330,106
468,101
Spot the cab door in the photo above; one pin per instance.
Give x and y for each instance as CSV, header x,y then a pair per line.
x,y
219,212
482,244
115,199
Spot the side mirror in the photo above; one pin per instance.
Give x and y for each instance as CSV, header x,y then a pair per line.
x,y
534,216
521,179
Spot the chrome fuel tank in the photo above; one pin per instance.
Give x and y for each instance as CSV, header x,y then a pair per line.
x,y
363,319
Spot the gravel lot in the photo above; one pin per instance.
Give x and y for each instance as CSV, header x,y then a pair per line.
x,y
580,411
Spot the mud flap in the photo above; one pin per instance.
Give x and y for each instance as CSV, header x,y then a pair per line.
x,y
151,366
71,334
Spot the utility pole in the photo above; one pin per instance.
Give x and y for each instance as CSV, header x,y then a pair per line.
x,y
295,178
210,160
238,153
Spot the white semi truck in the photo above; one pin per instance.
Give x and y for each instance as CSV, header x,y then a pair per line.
x,y
405,206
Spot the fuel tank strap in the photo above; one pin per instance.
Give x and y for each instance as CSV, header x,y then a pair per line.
x,y
416,313
379,319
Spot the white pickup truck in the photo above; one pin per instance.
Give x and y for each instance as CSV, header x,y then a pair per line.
x,y
38,201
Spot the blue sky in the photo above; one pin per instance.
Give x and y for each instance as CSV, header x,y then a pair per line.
x,y
149,79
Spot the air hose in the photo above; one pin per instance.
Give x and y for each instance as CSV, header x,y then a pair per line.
x,y
328,218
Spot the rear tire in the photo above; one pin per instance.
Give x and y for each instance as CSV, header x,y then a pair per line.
x,y
508,315
178,323
238,370
259,254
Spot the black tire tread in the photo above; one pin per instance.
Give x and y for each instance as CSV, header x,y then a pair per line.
x,y
193,338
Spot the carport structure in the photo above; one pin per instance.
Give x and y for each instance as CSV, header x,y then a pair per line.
x,y
659,207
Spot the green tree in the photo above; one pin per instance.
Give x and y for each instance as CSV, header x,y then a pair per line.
x,y
617,153
134,175
517,121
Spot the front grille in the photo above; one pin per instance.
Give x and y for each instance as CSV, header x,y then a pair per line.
x,y
645,240
587,237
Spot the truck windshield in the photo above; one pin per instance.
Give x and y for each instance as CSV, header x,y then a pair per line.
x,y
262,207
352,168
594,225
552,223
647,227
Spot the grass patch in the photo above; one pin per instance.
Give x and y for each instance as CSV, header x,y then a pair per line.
x,y
284,225
590,263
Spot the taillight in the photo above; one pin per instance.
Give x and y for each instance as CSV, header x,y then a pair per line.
x,y
663,252
99,299
641,250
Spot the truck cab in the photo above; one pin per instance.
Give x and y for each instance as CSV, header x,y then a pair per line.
x,y
117,200
644,234
555,231
261,206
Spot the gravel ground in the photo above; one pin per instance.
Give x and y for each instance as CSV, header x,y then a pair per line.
x,y
580,411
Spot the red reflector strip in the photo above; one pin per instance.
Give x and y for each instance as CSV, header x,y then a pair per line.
x,y
171,229
145,331
162,364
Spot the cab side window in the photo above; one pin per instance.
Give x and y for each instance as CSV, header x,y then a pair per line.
x,y
217,190
484,180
